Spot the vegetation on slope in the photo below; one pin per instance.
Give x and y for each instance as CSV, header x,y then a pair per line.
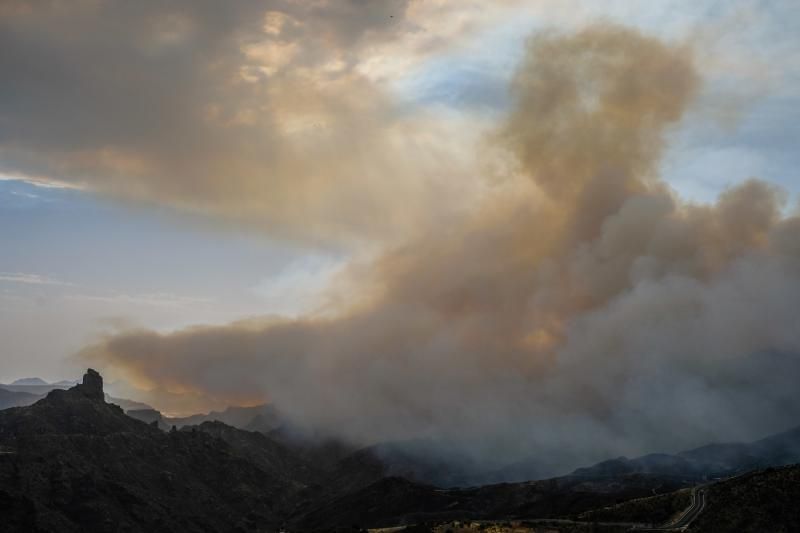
x,y
653,510
764,501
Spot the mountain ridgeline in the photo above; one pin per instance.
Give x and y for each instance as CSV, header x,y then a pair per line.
x,y
71,462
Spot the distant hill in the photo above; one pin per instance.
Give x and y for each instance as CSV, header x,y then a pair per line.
x,y
262,418
126,405
431,463
732,458
41,389
16,399
30,381
707,462
65,383
238,417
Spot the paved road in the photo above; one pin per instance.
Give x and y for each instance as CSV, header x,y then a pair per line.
x,y
557,521
698,504
679,524
683,521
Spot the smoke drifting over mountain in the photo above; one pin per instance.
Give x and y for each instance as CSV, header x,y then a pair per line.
x,y
583,307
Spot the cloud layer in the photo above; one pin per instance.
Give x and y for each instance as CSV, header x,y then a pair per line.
x,y
581,307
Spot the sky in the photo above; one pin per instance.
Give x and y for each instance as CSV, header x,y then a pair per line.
x,y
192,193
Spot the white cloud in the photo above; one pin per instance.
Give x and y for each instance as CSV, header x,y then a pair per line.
x,y
43,182
31,279
157,299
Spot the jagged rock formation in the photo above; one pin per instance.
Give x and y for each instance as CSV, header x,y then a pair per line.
x,y
30,390
76,463
92,386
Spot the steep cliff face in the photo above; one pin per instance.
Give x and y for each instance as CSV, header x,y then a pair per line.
x,y
92,385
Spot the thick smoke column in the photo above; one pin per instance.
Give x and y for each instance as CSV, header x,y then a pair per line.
x,y
583,307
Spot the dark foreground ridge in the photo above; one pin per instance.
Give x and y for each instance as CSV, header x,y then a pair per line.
x,y
72,462
76,463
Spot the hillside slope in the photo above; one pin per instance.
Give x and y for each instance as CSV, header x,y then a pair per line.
x,y
72,462
763,501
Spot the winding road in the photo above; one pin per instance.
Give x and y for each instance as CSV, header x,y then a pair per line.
x,y
686,518
678,524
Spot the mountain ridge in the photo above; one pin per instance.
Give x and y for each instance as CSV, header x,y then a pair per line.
x,y
73,462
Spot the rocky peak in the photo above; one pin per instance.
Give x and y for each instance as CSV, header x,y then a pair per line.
x,y
92,385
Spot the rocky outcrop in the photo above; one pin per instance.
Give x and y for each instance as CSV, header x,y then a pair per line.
x,y
92,386
81,464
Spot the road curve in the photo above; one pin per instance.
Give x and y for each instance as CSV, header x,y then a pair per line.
x,y
686,518
698,504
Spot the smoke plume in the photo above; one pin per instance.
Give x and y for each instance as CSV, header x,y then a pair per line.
x,y
582,306
254,113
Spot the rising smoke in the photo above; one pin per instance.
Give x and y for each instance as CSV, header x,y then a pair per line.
x,y
583,307
253,113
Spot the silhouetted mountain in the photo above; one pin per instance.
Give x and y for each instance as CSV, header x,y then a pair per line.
x,y
325,452
654,464
33,389
148,416
264,452
400,500
126,404
417,460
706,462
262,418
397,501
426,461
238,417
40,390
16,399
72,462
726,459
11,398
65,383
